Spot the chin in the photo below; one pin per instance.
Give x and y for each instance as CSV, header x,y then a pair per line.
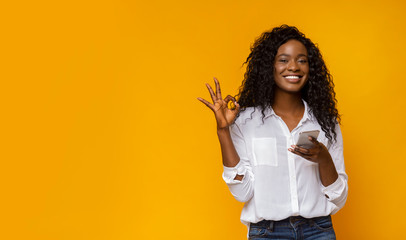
x,y
292,89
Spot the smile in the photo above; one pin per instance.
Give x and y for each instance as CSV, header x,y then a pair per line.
x,y
293,77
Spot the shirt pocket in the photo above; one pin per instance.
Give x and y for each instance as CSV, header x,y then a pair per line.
x,y
265,151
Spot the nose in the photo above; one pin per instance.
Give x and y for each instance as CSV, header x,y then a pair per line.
x,y
293,66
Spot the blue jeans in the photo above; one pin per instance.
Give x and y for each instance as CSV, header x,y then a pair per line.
x,y
295,228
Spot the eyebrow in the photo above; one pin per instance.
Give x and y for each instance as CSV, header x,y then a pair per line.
x,y
287,55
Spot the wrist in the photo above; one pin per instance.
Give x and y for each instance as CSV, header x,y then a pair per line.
x,y
222,131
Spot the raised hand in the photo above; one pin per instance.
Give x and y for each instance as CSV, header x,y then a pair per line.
x,y
224,115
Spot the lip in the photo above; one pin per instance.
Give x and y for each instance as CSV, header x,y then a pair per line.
x,y
293,80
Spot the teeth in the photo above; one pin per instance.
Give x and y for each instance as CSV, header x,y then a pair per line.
x,y
292,77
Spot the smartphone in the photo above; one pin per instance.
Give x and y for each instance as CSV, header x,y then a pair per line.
x,y
304,141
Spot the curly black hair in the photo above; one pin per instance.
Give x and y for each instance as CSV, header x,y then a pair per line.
x,y
257,89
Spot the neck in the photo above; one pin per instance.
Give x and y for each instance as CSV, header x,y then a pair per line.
x,y
287,103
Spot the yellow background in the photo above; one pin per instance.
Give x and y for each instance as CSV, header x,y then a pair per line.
x,y
103,138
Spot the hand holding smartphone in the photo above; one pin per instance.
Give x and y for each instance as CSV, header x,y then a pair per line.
x,y
304,141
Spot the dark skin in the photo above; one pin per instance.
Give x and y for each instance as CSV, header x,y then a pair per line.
x,y
291,70
224,118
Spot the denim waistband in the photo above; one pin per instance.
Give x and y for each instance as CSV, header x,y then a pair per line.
x,y
289,220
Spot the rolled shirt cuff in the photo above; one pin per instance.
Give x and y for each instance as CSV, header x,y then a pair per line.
x,y
334,190
229,173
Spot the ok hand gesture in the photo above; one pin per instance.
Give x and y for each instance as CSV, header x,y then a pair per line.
x,y
224,115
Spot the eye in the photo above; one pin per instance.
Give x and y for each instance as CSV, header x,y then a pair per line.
x,y
303,61
283,60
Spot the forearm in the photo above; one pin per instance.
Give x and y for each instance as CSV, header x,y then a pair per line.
x,y
328,172
229,154
332,174
335,185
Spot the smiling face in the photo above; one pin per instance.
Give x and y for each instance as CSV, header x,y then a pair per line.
x,y
291,67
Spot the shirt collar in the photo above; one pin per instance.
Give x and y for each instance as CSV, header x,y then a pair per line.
x,y
306,116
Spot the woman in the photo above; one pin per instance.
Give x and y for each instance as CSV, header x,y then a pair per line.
x,y
289,191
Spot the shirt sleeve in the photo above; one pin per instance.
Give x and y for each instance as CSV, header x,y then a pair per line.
x,y
337,191
242,190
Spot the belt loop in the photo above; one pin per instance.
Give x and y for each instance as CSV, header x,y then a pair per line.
x,y
271,226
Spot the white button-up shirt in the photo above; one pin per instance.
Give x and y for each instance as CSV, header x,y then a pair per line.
x,y
277,183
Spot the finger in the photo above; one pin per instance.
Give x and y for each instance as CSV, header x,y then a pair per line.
x,y
212,95
301,149
237,106
218,90
231,98
313,140
208,104
299,153
316,144
228,99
